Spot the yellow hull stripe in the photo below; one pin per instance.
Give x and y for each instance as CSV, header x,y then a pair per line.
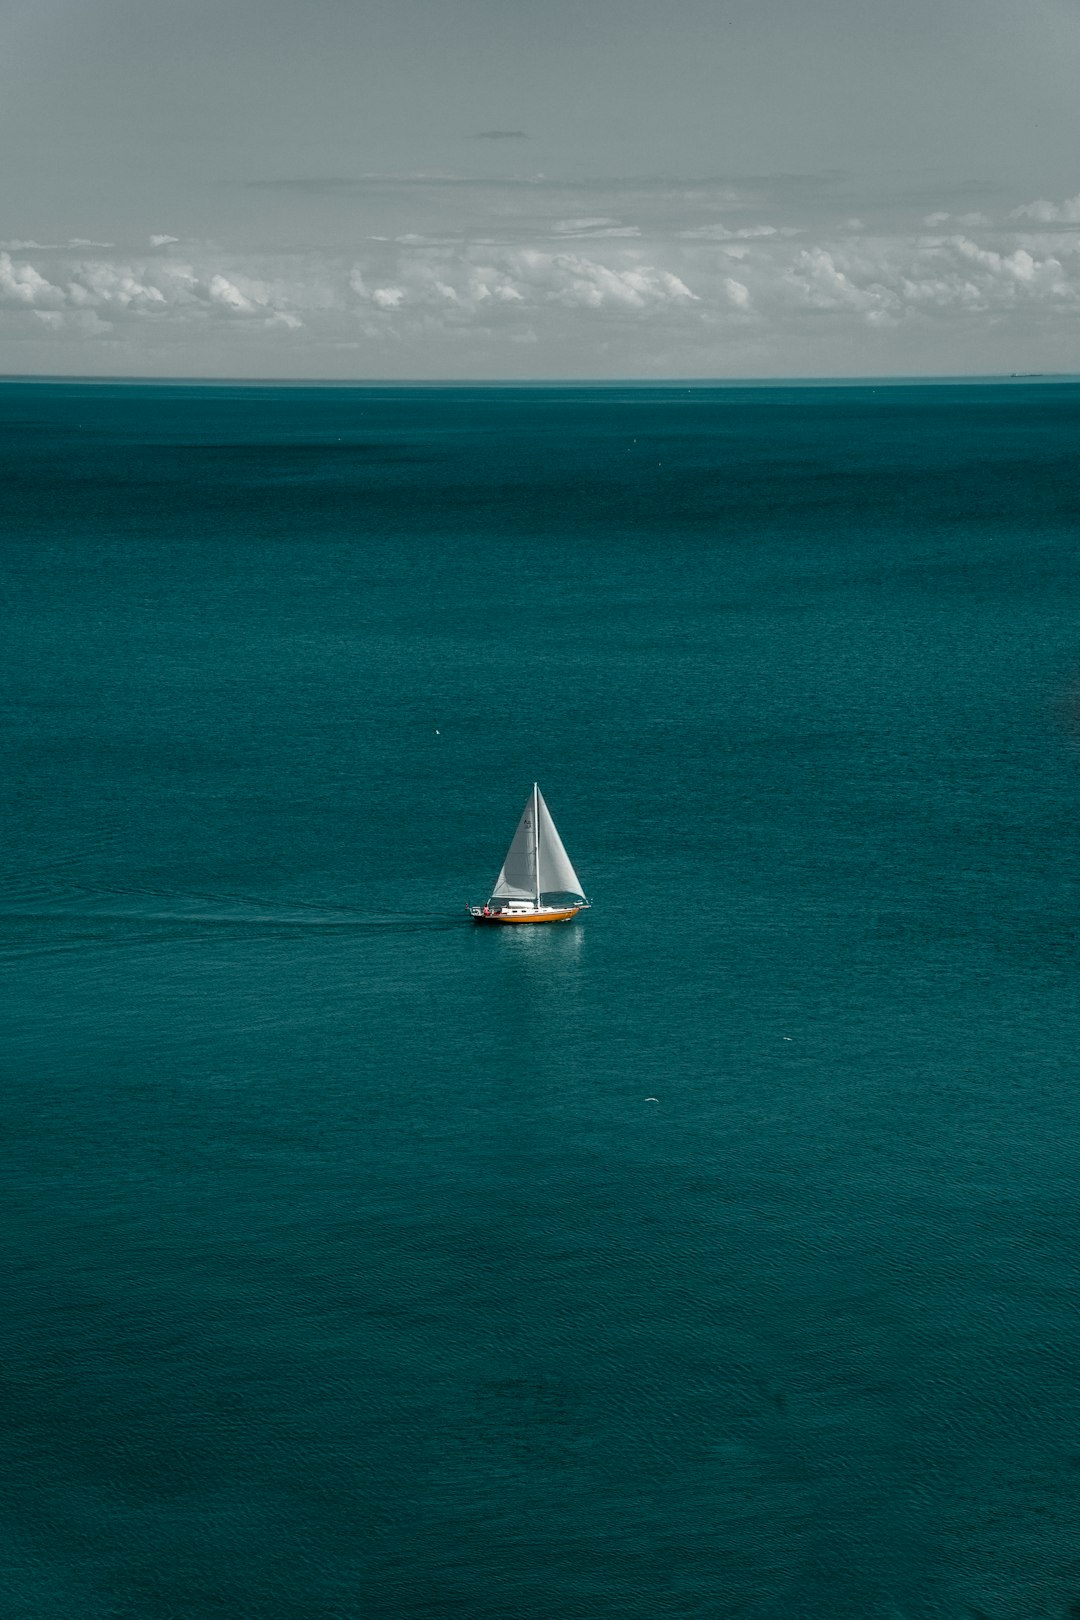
x,y
533,916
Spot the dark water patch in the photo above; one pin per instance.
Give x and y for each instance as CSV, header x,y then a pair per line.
x,y
352,1267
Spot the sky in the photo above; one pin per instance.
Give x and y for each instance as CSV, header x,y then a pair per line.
x,y
369,189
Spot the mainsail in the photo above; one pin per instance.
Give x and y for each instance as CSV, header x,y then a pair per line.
x,y
528,873
517,880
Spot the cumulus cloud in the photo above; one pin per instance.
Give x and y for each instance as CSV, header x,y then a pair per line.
x,y
23,284
575,280
227,294
163,241
111,290
828,281
888,280
477,279
1050,213
576,289
872,278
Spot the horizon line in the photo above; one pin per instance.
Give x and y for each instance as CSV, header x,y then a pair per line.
x,y
846,381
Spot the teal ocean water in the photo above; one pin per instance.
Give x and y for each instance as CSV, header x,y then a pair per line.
x,y
349,1272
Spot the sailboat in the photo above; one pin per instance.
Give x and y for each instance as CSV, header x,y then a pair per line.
x,y
537,882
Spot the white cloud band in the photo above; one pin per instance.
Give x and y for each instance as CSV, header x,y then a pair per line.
x,y
709,292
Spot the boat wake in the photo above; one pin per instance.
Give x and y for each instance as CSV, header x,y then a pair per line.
x,y
48,908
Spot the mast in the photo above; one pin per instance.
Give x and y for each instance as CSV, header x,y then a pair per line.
x,y
536,841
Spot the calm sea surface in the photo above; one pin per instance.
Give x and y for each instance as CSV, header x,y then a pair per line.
x,y
350,1274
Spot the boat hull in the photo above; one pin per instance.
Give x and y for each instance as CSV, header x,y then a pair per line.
x,y
561,914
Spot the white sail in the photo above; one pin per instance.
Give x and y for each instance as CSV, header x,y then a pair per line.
x,y
517,880
557,876
523,875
